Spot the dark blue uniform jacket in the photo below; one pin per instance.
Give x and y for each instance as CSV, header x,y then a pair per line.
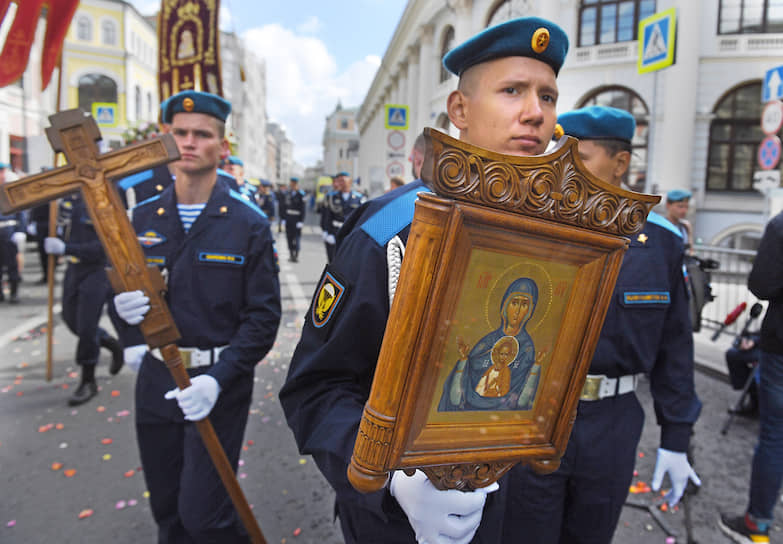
x,y
647,329
336,209
223,288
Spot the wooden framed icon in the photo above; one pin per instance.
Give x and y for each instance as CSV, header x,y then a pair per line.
x,y
508,271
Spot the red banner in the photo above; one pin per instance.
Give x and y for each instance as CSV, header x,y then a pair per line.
x,y
189,47
19,41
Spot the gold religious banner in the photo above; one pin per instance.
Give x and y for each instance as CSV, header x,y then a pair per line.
x,y
508,272
189,47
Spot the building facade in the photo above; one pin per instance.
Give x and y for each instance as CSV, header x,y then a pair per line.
x,y
698,120
281,151
341,142
110,67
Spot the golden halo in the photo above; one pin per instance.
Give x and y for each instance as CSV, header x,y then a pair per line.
x,y
533,271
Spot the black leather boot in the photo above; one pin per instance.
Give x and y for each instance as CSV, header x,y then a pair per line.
x,y
117,359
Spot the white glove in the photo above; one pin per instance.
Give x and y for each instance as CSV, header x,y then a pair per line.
x,y
132,306
679,469
32,229
196,401
330,239
324,235
439,517
283,223
299,225
54,246
134,355
19,238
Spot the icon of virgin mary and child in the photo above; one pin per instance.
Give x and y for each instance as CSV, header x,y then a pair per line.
x,y
500,372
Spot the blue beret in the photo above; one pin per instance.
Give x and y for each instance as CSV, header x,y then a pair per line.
x,y
295,179
677,195
598,123
266,183
346,174
233,159
524,37
195,102
4,165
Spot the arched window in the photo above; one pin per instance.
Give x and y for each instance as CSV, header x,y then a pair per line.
x,y
445,46
84,28
96,88
149,106
505,10
735,134
626,99
108,33
750,16
610,21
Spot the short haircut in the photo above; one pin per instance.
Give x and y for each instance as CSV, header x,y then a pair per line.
x,y
613,147
418,145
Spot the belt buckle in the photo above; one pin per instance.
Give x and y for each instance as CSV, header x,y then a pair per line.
x,y
592,387
186,359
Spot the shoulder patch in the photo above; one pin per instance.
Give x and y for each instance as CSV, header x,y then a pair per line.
x,y
222,172
241,198
397,214
221,258
661,221
635,298
329,298
150,238
134,179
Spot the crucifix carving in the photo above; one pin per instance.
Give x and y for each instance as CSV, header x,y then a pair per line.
x,y
75,134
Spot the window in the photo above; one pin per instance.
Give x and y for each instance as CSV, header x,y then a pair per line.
x,y
96,88
108,33
445,46
735,135
149,106
84,28
626,99
750,16
138,102
611,21
344,124
505,10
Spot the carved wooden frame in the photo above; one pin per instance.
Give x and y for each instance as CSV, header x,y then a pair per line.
x,y
544,212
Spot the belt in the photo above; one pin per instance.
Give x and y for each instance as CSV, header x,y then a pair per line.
x,y
598,386
8,223
337,224
194,357
293,212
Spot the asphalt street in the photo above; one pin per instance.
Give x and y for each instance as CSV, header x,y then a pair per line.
x,y
72,475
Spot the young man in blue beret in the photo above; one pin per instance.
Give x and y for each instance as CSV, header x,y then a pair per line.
x,y
338,205
505,102
647,331
677,203
217,253
295,209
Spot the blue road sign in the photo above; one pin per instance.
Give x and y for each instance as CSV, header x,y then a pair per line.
x,y
396,116
657,41
773,85
769,153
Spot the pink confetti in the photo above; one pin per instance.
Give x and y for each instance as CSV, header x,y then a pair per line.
x,y
133,502
11,523
242,475
120,505
123,413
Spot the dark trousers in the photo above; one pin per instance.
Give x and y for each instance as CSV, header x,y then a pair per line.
x,y
8,252
187,497
293,236
581,501
85,291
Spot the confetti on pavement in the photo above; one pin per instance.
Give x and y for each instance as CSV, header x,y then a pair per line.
x,y
86,513
106,441
69,472
11,523
57,466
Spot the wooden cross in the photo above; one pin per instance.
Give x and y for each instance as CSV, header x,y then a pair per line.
x,y
75,134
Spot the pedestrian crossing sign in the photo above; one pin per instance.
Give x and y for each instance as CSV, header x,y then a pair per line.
x,y
657,37
105,113
396,117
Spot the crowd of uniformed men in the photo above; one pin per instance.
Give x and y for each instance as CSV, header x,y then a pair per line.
x,y
207,226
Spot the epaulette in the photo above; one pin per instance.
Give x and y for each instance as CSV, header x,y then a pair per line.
x,y
246,202
392,218
661,221
222,172
143,202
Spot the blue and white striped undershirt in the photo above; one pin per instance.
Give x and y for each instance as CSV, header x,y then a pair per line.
x,y
188,213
